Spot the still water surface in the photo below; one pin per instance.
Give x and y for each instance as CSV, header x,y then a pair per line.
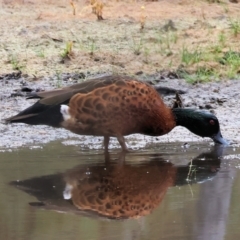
x,y
59,192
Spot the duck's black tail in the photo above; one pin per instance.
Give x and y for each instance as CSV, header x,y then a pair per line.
x,y
39,114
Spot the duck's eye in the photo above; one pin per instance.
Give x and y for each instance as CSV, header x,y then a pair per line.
x,y
212,122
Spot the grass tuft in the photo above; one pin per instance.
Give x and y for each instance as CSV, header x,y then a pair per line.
x,y
190,57
235,27
67,51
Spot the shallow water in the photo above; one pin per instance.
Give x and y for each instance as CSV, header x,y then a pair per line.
x,y
168,192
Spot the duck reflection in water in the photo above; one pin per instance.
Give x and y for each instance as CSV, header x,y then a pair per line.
x,y
118,190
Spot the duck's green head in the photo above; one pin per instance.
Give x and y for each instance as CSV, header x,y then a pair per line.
x,y
200,122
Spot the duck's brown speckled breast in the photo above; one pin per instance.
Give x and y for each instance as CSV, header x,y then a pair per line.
x,y
121,108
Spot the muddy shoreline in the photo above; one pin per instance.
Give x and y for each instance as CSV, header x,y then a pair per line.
x,y
218,97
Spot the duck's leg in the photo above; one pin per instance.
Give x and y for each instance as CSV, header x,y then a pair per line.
x,y
121,141
107,157
106,142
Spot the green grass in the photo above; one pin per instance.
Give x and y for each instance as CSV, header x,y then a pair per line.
x,y
41,53
137,45
92,46
59,79
67,51
222,39
146,52
166,42
231,60
15,62
235,27
190,57
202,74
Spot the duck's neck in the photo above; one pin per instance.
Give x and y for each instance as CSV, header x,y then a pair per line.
x,y
185,117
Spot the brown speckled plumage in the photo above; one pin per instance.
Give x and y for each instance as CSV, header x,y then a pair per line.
x,y
126,191
123,107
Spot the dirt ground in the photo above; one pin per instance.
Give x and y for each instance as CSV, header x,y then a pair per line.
x,y
52,48
34,36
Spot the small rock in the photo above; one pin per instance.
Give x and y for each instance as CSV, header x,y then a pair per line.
x,y
208,106
139,73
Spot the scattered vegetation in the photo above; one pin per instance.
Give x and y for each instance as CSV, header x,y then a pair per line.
x,y
200,50
92,47
67,51
40,53
58,78
190,57
201,75
235,27
222,39
15,62
191,173
137,45
166,43
142,18
231,60
73,7
97,8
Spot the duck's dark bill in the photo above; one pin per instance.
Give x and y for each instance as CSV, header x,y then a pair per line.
x,y
217,138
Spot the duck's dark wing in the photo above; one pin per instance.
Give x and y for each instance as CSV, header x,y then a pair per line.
x,y
63,95
84,87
